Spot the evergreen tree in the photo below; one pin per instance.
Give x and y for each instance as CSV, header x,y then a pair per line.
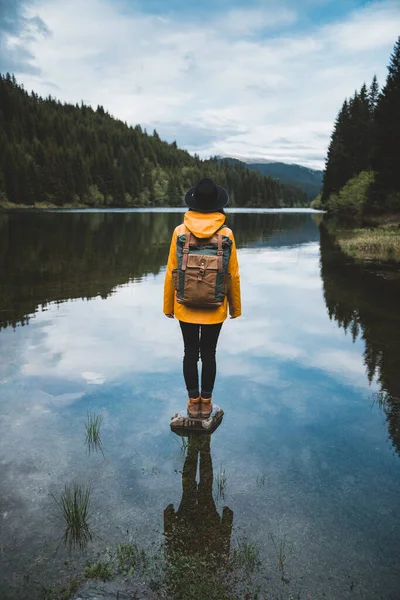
x,y
359,131
338,162
385,193
373,94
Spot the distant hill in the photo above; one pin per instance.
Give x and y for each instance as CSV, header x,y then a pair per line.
x,y
308,180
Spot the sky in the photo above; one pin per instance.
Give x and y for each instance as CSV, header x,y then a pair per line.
x,y
258,79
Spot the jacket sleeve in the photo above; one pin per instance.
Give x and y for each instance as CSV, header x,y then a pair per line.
x,y
169,291
234,299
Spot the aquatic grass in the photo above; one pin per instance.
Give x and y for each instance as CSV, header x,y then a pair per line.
x,y
98,570
53,593
130,558
183,443
188,576
381,243
93,439
380,399
220,480
176,575
212,575
283,550
387,403
246,556
260,481
74,504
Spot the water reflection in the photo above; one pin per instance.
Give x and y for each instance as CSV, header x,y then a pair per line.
x,y
197,538
196,527
52,257
307,460
366,304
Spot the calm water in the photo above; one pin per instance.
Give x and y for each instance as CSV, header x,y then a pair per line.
x,y
311,456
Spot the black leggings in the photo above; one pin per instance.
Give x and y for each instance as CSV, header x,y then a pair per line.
x,y
200,340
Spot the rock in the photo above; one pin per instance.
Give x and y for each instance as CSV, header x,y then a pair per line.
x,y
182,424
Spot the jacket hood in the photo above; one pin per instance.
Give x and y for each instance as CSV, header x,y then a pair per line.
x,y
203,225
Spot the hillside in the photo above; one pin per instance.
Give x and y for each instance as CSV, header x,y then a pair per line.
x,y
308,180
304,178
54,154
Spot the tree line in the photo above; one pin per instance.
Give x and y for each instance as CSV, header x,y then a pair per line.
x,y
64,154
362,172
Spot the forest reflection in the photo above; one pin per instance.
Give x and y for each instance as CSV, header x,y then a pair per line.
x,y
52,257
365,302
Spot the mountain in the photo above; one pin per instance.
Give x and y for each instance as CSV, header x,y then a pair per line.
x,y
308,180
54,154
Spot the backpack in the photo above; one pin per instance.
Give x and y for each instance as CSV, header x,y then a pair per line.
x,y
202,279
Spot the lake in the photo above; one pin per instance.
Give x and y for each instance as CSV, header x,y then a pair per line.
x,y
307,455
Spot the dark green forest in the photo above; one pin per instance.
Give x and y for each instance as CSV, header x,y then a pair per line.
x,y
70,155
362,173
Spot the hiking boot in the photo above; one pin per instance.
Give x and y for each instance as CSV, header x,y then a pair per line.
x,y
205,407
193,407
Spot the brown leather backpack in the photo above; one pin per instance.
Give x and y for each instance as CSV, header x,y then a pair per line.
x,y
202,279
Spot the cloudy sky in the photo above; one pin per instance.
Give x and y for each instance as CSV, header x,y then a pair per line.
x,y
255,78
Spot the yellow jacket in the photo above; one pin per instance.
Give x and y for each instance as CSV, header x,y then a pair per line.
x,y
202,225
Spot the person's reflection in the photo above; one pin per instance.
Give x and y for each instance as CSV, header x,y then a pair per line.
x,y
196,527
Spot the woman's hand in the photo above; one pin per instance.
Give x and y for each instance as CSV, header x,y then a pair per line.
x,y
170,315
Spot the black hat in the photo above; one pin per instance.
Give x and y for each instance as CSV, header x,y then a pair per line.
x,y
206,196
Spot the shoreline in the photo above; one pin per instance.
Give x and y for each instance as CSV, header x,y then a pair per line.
x,y
372,240
101,208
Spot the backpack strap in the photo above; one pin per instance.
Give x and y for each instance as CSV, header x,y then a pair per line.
x,y
219,254
188,235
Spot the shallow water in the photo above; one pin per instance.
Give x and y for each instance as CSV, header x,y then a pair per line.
x,y
309,448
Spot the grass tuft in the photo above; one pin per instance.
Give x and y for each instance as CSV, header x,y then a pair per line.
x,y
74,503
98,570
246,556
93,440
220,480
130,558
64,593
283,549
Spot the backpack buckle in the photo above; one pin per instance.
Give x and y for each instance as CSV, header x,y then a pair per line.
x,y
201,272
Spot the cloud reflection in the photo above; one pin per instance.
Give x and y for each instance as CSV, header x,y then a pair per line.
x,y
284,318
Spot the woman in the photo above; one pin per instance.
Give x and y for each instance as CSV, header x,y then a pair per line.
x,y
201,318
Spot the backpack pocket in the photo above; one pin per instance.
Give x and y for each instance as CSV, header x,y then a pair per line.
x,y
175,279
200,281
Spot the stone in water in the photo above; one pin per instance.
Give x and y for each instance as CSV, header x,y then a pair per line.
x,y
182,424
